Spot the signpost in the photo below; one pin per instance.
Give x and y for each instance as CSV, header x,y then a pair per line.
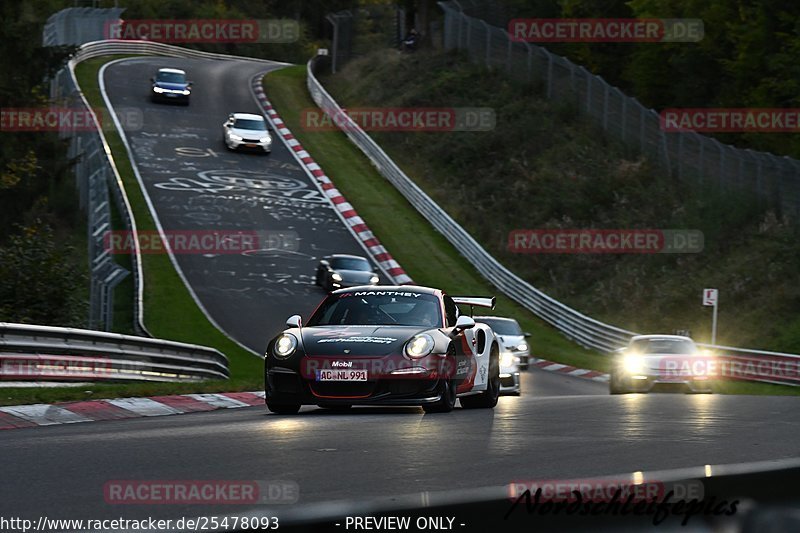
x,y
711,298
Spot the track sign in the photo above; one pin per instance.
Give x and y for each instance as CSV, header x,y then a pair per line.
x,y
710,297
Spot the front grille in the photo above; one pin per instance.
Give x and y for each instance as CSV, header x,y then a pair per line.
x,y
340,389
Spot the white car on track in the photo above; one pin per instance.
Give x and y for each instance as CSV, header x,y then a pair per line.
x,y
662,362
247,130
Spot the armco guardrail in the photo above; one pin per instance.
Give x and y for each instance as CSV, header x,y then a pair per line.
x,y
43,353
586,331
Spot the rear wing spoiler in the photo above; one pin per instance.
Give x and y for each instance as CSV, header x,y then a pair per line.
x,y
475,301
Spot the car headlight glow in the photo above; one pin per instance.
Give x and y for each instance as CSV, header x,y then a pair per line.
x,y
234,137
522,347
506,360
265,139
285,345
158,90
633,363
186,91
420,345
336,277
373,279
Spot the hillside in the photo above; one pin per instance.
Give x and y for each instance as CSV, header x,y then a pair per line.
x,y
543,166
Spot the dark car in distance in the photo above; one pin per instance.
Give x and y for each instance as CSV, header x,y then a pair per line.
x,y
340,271
171,85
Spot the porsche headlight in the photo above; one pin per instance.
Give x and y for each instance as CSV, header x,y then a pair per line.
x,y
336,277
506,360
522,347
158,90
419,345
374,280
285,345
235,137
265,139
186,92
633,363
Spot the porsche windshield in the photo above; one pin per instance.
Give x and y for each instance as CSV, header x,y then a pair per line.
x,y
379,308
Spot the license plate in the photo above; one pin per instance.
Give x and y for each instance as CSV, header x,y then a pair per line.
x,y
341,375
251,145
171,95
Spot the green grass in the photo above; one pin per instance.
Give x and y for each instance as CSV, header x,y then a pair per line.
x,y
169,310
424,253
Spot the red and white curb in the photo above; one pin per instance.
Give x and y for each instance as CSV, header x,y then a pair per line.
x,y
348,214
551,366
25,416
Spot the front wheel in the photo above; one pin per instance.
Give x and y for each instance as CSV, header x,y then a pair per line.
x,y
283,408
615,385
447,400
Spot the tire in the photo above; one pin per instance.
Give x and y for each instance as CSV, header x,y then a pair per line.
x,y
488,398
283,408
615,385
447,401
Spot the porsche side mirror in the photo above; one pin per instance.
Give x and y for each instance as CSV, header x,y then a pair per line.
x,y
294,321
526,334
464,322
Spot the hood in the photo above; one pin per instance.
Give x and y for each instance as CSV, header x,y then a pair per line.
x,y
171,86
355,276
250,134
511,340
360,340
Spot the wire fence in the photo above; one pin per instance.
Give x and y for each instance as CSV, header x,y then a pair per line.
x,y
774,180
359,31
94,171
